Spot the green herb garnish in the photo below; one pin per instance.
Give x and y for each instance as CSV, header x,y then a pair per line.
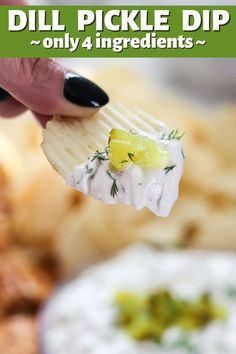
x,y
169,168
88,170
148,316
114,188
131,156
101,155
173,135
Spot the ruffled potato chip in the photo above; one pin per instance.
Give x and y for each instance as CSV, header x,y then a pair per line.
x,y
69,141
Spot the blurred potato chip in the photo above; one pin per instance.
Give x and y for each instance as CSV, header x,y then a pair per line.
x,y
24,132
221,186
5,215
217,230
181,226
201,163
93,232
10,159
38,210
222,134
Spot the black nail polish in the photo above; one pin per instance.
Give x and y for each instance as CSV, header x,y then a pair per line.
x,y
81,91
3,94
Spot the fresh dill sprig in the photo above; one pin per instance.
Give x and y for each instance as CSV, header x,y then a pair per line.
x,y
124,161
173,135
88,170
131,156
169,168
101,155
114,188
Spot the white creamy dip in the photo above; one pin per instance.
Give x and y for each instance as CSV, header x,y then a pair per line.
x,y
79,319
156,189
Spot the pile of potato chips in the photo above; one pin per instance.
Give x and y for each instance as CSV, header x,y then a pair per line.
x,y
41,213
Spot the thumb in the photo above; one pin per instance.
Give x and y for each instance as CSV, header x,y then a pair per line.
x,y
45,87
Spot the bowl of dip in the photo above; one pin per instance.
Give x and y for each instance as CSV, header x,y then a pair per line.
x,y
81,317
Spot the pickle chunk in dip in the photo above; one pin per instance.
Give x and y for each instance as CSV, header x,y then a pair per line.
x,y
135,169
126,148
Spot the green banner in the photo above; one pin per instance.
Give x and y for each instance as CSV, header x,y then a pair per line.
x,y
118,31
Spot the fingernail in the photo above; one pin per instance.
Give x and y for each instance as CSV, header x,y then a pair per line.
x,y
81,91
3,94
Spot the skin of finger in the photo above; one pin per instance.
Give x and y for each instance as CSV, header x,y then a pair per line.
x,y
38,84
42,119
12,2
10,108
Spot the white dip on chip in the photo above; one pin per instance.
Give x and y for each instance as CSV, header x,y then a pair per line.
x,y
80,318
154,188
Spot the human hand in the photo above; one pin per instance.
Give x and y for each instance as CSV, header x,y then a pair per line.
x,y
46,88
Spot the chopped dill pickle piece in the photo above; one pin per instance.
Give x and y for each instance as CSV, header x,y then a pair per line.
x,y
127,148
141,328
148,316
